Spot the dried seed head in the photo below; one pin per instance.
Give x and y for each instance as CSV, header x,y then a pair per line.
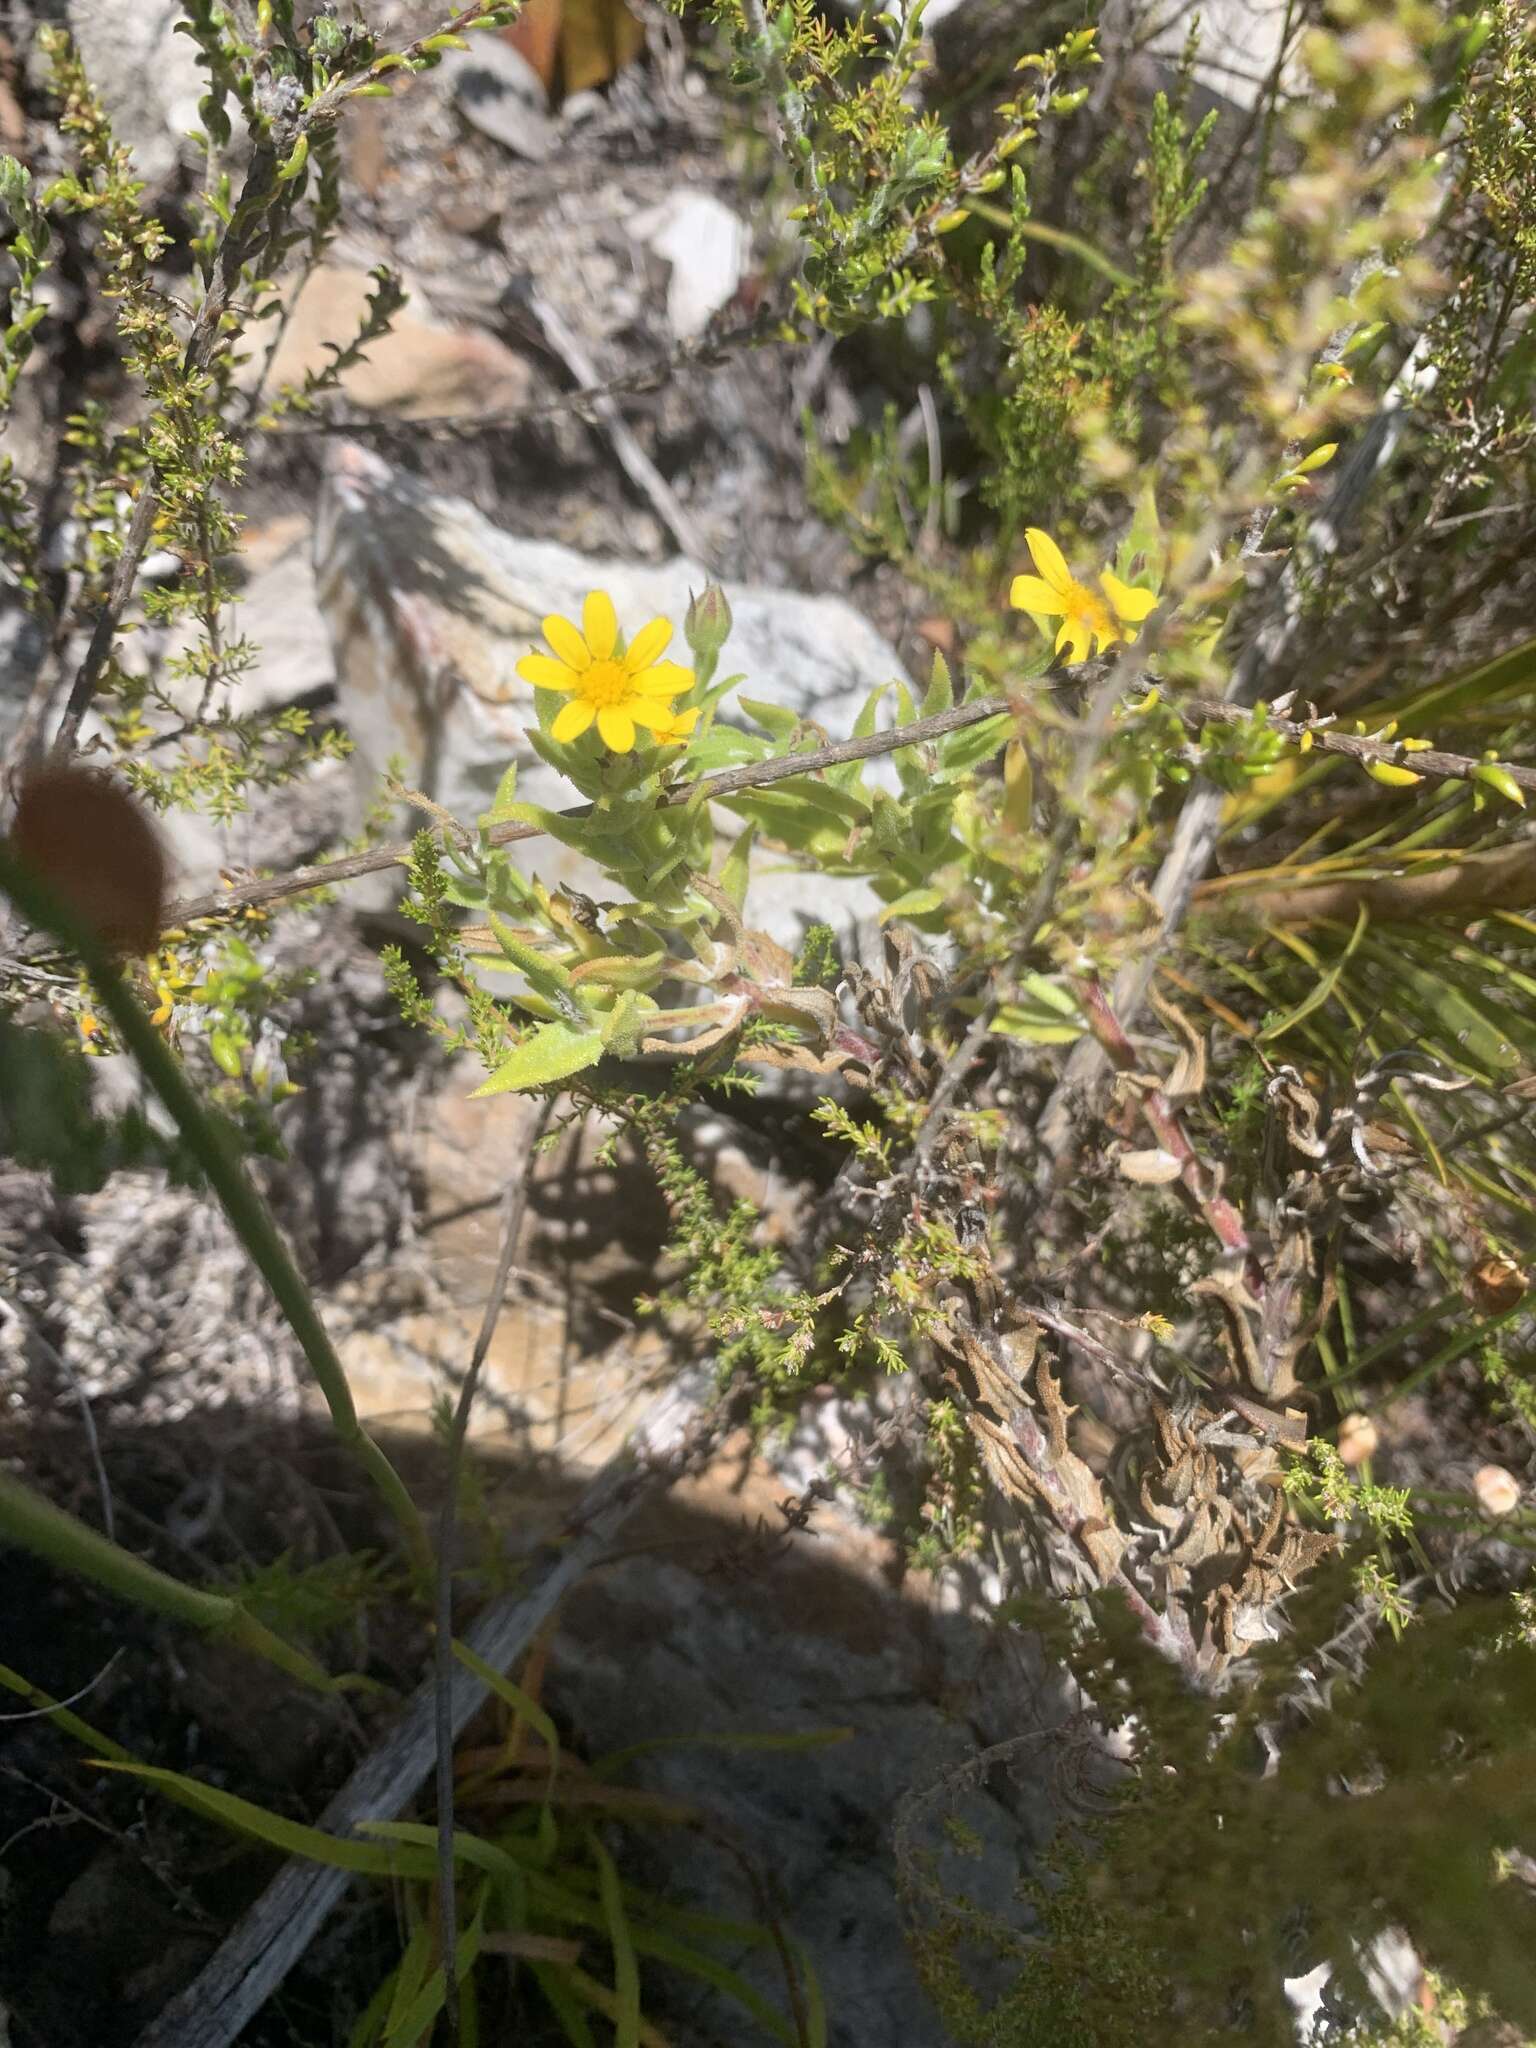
x,y
1497,1490
1358,1439
1496,1285
84,836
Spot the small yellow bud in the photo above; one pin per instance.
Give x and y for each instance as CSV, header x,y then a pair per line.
x,y
1496,776
1391,775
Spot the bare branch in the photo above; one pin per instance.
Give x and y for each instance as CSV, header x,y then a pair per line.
x,y
755,775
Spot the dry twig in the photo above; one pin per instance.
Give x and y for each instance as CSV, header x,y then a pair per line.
x,y
257,1956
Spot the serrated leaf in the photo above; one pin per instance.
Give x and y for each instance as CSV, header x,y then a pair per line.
x,y
551,1053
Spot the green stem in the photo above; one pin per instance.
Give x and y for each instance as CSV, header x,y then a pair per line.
x,y
51,1532
44,1704
248,1214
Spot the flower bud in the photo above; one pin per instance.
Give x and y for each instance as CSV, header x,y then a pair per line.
x,y
708,624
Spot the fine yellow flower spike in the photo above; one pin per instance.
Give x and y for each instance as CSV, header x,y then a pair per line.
x,y
1091,620
620,691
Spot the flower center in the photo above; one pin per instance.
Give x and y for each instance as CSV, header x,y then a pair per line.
x,y
605,682
1085,604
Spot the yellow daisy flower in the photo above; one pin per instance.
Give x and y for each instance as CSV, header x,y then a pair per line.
x,y
1086,615
620,691
675,727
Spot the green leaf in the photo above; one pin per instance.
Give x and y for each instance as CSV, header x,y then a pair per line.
x,y
626,1970
1045,1013
523,1705
724,1738
225,1048
736,871
564,2004
622,1026
960,752
725,746
549,977
849,774
552,1052
915,903
1324,989
291,1837
940,694
618,970
1144,538
505,797
416,2020
773,718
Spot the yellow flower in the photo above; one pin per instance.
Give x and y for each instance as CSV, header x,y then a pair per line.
x,y
1086,616
620,691
675,727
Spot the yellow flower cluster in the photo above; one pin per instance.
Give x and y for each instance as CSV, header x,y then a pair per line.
x,y
1090,619
619,692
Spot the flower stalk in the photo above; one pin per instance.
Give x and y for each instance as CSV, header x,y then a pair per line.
x,y
248,1214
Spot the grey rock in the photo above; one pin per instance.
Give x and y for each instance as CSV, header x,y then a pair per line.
x,y
498,91
147,74
861,1839
430,607
21,650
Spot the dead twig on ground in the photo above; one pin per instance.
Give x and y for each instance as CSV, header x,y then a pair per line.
x,y
273,1936
516,1206
633,460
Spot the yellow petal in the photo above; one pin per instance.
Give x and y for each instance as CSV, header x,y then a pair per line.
x,y
572,720
545,673
1049,559
1074,638
1030,594
649,642
654,713
600,624
662,679
1129,600
566,642
616,727
683,723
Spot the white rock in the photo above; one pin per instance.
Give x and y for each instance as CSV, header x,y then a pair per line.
x,y
430,607
706,245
